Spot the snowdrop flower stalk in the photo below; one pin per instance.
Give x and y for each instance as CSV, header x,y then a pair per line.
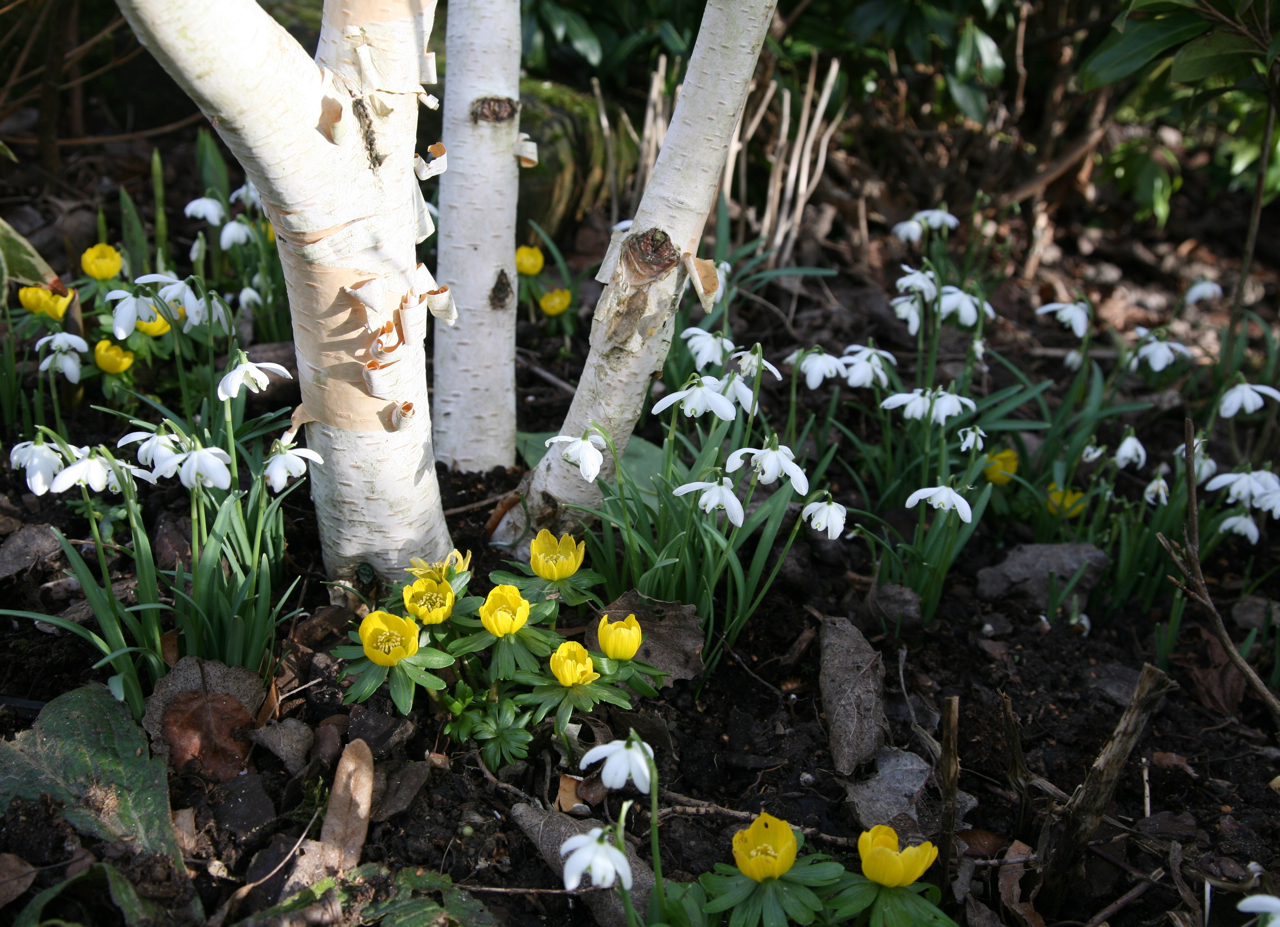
x,y
286,461
254,376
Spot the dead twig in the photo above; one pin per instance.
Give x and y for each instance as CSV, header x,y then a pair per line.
x,y
1120,903
949,767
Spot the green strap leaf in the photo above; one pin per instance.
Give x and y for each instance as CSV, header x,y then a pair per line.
x,y
1125,53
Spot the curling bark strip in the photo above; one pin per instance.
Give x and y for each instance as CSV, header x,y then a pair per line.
x,y
645,272
329,144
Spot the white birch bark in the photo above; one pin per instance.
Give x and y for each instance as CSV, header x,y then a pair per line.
x,y
475,361
645,273
329,144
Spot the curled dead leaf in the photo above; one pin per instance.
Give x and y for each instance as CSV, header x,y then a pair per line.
x,y
210,730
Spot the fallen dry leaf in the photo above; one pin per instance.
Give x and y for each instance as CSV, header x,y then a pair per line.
x,y
852,681
1173,761
346,823
1011,887
16,876
567,799
208,728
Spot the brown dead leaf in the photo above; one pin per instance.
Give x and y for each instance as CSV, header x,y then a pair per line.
x,y
16,876
208,728
1011,887
169,647
1173,761
346,823
1219,686
567,799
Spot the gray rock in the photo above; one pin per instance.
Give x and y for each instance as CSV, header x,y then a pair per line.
x,y
1025,572
1251,612
894,608
25,548
895,788
852,681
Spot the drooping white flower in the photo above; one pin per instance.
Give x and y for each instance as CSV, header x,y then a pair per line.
x,y
204,466
196,252
179,292
971,438
864,366
921,282
947,405
287,461
251,375
1074,316
910,231
817,366
65,363
907,308
1157,492
1205,465
206,208
40,461
156,447
235,233
699,398
915,404
1073,360
936,218
1092,453
769,464
963,306
248,193
1269,502
715,495
1131,451
1157,352
1242,525
979,348
722,281
749,364
128,312
1245,396
825,516
1201,289
943,498
623,760
1245,488
130,473
249,297
593,853
1267,906
62,343
584,453
89,470
706,347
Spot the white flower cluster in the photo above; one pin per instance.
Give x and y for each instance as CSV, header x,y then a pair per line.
x,y
1254,489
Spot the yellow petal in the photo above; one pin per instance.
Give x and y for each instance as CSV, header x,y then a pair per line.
x,y
917,860
884,866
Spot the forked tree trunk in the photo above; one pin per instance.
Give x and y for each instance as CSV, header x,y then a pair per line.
x,y
330,145
475,370
645,273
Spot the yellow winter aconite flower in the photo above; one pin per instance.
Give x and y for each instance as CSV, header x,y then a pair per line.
x,y
766,849
505,611
101,262
428,600
388,638
1001,466
555,302
111,358
155,328
439,570
621,639
1068,499
529,260
552,559
881,861
40,301
572,665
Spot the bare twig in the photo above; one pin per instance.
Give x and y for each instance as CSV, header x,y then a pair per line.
x,y
950,769
1120,903
105,139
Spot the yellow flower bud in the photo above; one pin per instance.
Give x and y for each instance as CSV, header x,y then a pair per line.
x,y
621,639
1001,466
881,861
529,261
111,358
572,665
555,302
388,638
504,611
429,601
101,262
154,328
552,559
1064,499
39,300
766,849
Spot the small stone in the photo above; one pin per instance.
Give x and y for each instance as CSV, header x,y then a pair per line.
x,y
245,810
1254,613
382,733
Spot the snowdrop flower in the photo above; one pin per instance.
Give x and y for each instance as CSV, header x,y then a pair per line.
x,y
1073,360
749,364
1201,289
947,405
63,343
130,473
907,308
248,193
971,438
1092,453
1242,525
90,470
979,349
722,281
179,292
205,466
206,208
910,231
1245,396
623,760
248,374
863,366
735,387
936,218
706,347
1157,492
1074,316
41,462
1158,353
1245,488
697,399
825,516
920,282
1269,502
943,498
716,495
249,297
956,301
1131,451
62,355
156,447
593,853
818,366
287,461
915,404
128,312
769,464
196,253
584,453
235,233
1205,465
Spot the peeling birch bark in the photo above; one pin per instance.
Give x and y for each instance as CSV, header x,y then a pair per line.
x,y
475,361
329,144
645,273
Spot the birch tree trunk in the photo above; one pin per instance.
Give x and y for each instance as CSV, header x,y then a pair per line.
x,y
329,144
475,361
645,273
